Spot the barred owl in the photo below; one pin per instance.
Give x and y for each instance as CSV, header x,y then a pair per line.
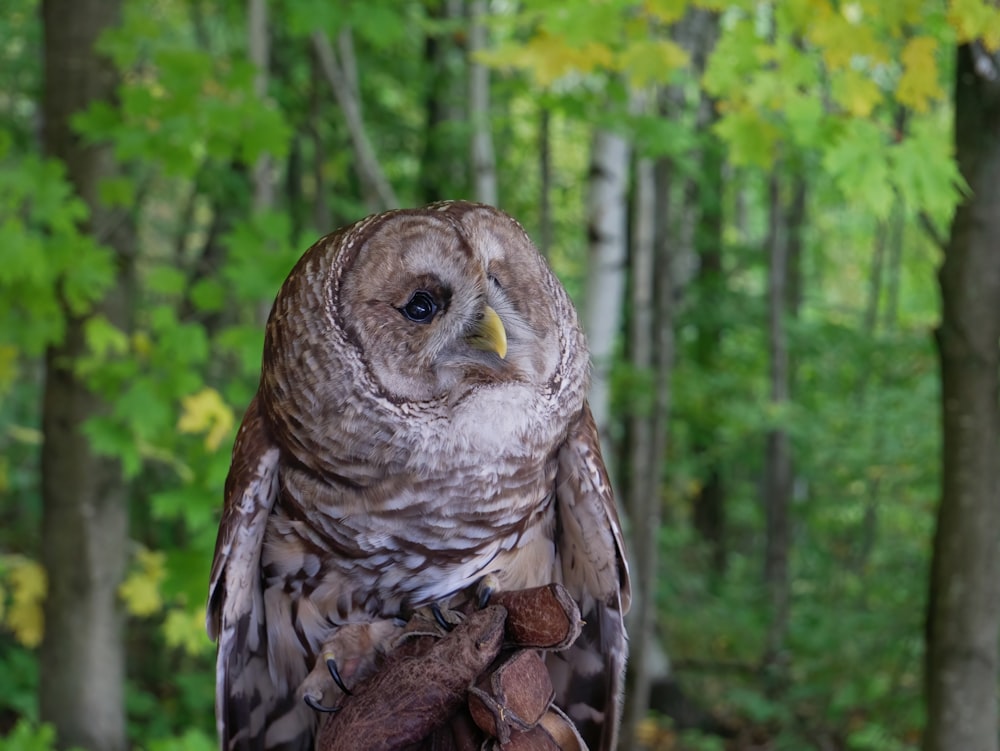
x,y
420,424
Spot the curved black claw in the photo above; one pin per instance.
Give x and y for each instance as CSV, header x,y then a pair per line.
x,y
486,588
331,665
439,617
313,704
485,593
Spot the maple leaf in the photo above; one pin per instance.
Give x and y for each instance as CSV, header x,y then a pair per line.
x,y
918,86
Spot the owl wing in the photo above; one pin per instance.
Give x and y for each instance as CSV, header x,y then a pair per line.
x,y
589,676
236,598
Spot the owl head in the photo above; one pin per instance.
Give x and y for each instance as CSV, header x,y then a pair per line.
x,y
423,305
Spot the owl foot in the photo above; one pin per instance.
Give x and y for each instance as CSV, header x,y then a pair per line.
x,y
443,622
350,652
486,588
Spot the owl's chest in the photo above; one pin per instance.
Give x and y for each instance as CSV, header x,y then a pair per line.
x,y
410,539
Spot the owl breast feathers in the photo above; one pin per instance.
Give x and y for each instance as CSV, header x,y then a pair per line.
x,y
421,423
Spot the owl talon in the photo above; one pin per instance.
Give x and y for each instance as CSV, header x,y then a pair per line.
x,y
331,665
440,619
313,704
486,588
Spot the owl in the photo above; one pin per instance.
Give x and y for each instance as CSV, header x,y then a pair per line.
x,y
420,428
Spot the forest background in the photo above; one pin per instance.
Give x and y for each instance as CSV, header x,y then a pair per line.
x,y
748,200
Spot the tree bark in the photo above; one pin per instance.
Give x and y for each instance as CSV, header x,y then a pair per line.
x,y
704,196
262,172
85,520
607,254
643,501
778,456
443,172
964,605
545,181
340,74
260,55
483,160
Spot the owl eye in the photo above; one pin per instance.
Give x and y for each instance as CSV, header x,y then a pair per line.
x,y
421,308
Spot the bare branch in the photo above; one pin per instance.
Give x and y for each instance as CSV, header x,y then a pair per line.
x,y
379,195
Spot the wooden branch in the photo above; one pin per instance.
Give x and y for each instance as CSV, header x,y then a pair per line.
x,y
379,195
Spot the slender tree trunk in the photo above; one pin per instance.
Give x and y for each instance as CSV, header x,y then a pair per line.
x,y
483,160
321,215
778,457
643,502
964,606
340,70
85,519
606,229
443,172
262,173
545,181
260,56
704,197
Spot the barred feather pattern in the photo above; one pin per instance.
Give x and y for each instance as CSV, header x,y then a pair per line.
x,y
388,463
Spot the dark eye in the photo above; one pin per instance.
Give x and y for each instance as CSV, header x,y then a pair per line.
x,y
421,307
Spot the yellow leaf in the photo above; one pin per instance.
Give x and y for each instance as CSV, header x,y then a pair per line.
x,y
918,85
142,345
549,57
206,412
843,39
856,93
650,61
141,588
8,367
976,20
28,586
666,11
185,629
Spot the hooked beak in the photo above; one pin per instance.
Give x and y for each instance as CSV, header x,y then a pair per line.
x,y
489,334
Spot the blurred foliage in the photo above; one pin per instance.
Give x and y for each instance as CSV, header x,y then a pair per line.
x,y
820,88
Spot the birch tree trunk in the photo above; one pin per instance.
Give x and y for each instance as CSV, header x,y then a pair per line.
x,y
964,605
340,70
545,181
643,501
483,160
262,172
84,516
607,227
260,56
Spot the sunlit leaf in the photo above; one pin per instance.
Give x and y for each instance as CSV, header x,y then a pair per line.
x,y
206,412
141,589
920,83
28,586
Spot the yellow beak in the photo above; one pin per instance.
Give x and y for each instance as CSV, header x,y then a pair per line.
x,y
489,334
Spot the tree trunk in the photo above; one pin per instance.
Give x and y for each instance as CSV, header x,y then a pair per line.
x,y
964,606
606,230
260,55
85,520
643,501
704,198
778,457
262,173
341,73
545,181
483,161
443,172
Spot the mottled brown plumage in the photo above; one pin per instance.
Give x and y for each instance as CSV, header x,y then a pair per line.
x,y
421,422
